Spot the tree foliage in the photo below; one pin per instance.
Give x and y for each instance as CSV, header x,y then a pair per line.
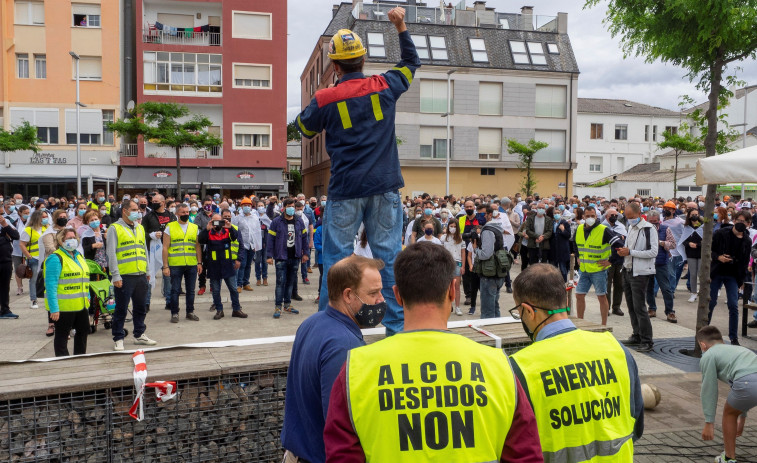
x,y
168,124
703,37
292,132
295,187
23,138
680,142
526,158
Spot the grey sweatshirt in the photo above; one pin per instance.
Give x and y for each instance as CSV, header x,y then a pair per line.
x,y
487,240
110,250
725,363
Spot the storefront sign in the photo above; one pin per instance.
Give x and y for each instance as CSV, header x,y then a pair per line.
x,y
245,175
46,158
162,174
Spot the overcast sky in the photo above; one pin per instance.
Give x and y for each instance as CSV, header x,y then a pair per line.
x,y
604,71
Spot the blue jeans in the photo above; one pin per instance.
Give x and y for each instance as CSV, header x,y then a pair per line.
x,y
598,279
732,300
675,265
215,287
134,289
490,288
189,273
246,259
166,291
261,266
662,277
286,275
34,264
382,216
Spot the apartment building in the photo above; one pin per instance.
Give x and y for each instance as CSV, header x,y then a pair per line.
x,y
226,60
38,85
511,75
615,135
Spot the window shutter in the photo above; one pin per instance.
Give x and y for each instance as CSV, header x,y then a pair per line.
x,y
248,71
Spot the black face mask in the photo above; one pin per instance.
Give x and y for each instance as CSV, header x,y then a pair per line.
x,y
61,221
370,315
612,219
667,213
184,217
143,206
156,206
313,205
532,334
740,227
470,211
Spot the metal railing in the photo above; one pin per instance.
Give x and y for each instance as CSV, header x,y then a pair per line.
x,y
129,150
458,17
164,152
181,37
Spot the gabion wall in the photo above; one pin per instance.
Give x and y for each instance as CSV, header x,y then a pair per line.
x,y
230,418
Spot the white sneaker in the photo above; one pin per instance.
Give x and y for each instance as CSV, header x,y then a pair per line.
x,y
458,311
119,345
145,341
34,305
693,297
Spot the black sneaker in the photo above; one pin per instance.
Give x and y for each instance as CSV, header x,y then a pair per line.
x,y
212,308
631,341
467,301
509,289
472,311
168,306
175,318
646,347
752,324
735,342
193,317
617,312
296,297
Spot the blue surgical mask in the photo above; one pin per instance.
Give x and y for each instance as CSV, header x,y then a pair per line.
x,y
134,216
715,216
540,211
71,206
561,207
71,244
428,211
45,221
12,208
94,223
246,209
645,209
323,203
25,217
633,222
261,210
557,216
289,211
82,212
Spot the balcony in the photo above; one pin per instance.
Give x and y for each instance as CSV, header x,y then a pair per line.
x,y
129,150
174,37
153,151
459,17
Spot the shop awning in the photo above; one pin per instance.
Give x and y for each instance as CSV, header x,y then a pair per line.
x,y
245,179
158,177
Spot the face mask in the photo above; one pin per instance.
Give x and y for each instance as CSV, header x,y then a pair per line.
x,y
740,227
101,199
61,221
418,215
45,221
452,229
436,204
313,205
208,207
444,215
143,207
701,204
633,222
193,208
302,202
557,216
612,218
42,208
323,203
289,211
540,211
261,210
156,205
298,213
645,209
172,210
12,208
370,315
134,216
428,211
25,216
70,245
530,333
246,209
481,216
470,211
729,216
590,221
94,223
561,207
184,217
429,231
70,206
667,213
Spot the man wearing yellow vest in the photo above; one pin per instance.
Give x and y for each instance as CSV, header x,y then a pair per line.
x,y
594,242
182,258
99,201
127,258
584,387
426,394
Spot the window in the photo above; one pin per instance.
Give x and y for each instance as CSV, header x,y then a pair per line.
x,y
621,132
40,66
248,25
595,164
48,135
29,13
552,49
671,129
478,50
520,55
433,142
90,68
86,138
108,117
487,171
86,15
646,133
490,98
489,144
376,47
90,126
22,65
434,96
252,76
654,133
596,131
644,192
252,136
556,151
431,47
536,50
182,72
551,101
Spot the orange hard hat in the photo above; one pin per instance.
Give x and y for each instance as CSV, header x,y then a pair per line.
x,y
726,198
246,200
669,205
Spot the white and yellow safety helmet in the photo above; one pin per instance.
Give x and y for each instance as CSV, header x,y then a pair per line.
x,y
346,45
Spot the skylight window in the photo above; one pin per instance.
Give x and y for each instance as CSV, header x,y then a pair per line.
x,y
536,50
376,47
430,47
528,53
520,55
478,50
552,48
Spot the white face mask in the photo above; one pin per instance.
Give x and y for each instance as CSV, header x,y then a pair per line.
x,y
590,221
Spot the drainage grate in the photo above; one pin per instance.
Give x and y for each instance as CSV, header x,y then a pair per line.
x,y
668,351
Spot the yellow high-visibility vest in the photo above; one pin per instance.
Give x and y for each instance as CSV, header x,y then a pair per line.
x,y
131,253
591,250
430,395
183,248
73,284
580,390
33,246
235,244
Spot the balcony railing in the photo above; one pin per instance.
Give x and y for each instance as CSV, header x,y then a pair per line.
x,y
175,37
129,150
166,152
454,16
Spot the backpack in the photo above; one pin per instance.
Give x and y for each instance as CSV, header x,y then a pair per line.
x,y
498,265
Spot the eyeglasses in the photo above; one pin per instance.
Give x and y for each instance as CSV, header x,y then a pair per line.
x,y
515,313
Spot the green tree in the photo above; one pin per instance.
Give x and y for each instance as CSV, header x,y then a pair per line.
x,y
292,132
703,37
296,186
686,143
526,157
168,124
23,138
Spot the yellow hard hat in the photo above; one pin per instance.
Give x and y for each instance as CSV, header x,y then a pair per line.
x,y
346,45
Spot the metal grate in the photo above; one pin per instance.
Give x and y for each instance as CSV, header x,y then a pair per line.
x,y
233,417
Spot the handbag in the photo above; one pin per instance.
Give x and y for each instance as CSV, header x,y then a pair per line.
x,y
24,271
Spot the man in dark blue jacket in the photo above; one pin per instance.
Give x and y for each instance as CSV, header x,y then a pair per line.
x,y
288,246
358,116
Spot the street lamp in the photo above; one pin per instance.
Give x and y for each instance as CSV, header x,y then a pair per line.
x,y
78,135
447,114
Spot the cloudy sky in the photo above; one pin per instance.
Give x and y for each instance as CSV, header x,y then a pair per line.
x,y
604,71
